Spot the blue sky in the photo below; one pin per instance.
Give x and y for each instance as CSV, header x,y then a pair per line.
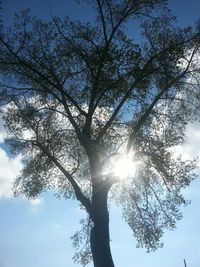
x,y
37,233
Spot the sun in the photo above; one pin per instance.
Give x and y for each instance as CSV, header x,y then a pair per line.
x,y
123,166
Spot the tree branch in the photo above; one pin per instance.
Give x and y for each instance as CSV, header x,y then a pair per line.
x,y
78,193
43,77
148,111
102,19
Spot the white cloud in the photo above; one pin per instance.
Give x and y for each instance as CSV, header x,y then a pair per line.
x,y
36,202
191,149
2,130
9,169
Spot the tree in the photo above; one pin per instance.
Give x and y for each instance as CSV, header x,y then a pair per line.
x,y
78,97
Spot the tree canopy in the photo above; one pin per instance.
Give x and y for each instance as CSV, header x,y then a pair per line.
x,y
77,97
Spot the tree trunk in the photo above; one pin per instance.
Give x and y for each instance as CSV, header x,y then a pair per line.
x,y
99,237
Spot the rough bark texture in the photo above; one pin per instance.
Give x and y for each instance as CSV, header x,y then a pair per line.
x,y
100,239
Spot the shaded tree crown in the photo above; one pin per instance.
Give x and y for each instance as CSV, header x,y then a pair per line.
x,y
76,96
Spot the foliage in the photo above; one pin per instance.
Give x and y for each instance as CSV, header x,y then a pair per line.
x,y
75,96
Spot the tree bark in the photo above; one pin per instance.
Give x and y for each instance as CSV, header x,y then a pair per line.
x,y
99,236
